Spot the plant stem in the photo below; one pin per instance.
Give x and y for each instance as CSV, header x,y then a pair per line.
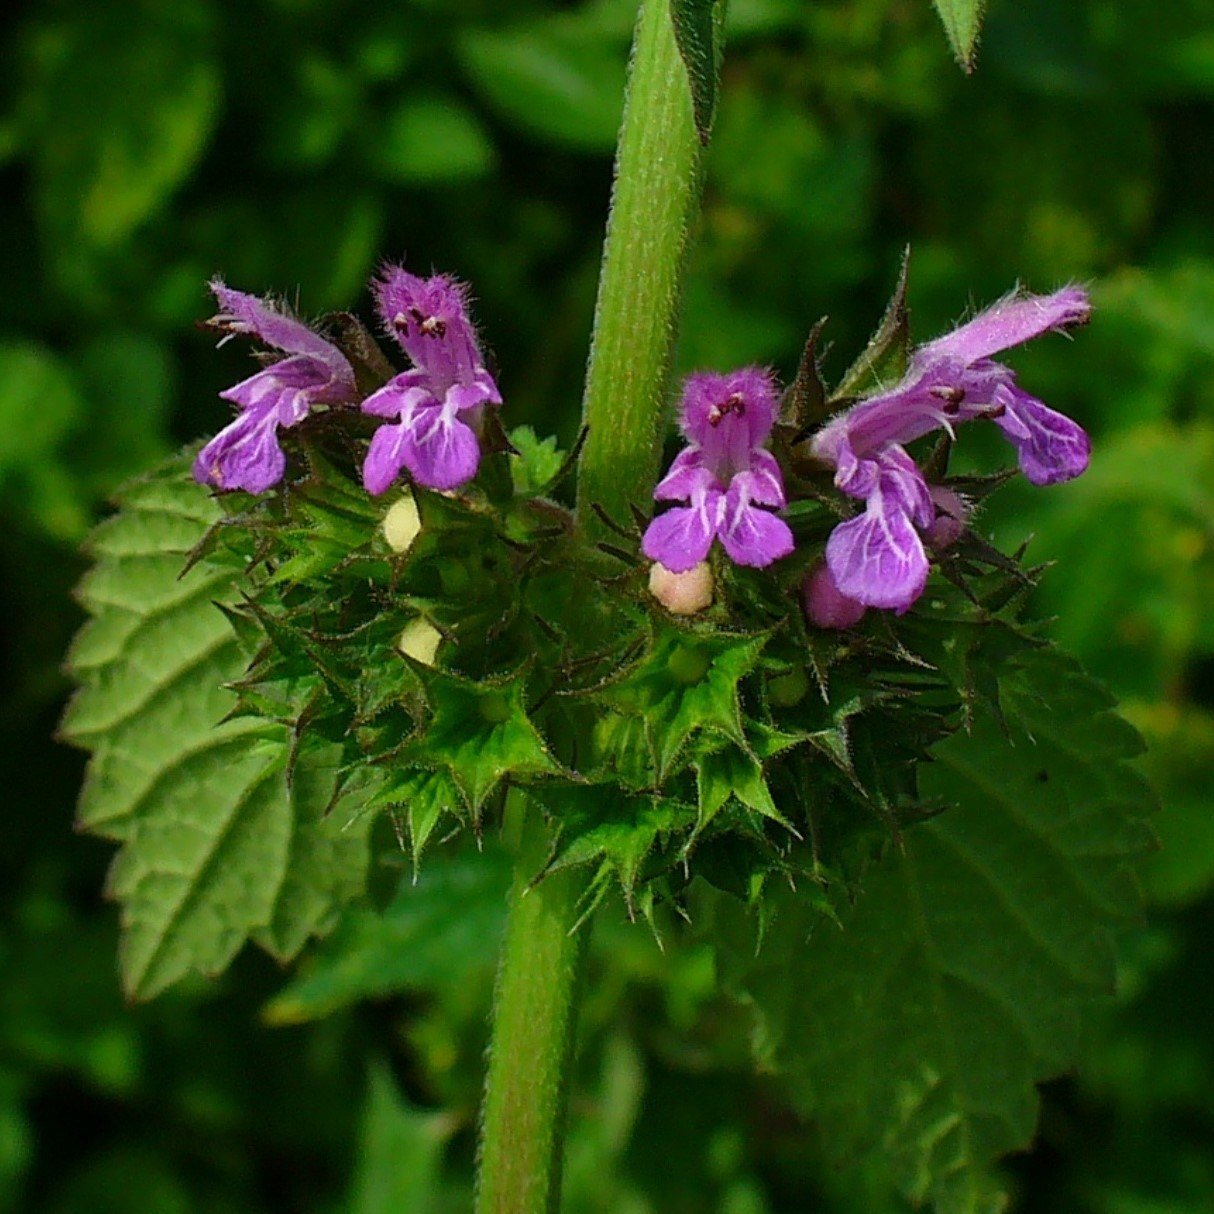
x,y
657,190
534,1021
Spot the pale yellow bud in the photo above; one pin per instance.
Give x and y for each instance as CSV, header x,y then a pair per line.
x,y
402,524
682,593
420,641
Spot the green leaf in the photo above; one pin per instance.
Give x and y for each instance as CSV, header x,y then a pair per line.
x,y
40,406
562,77
127,104
1179,759
479,732
695,35
1135,537
128,379
423,797
219,845
400,1154
963,974
885,357
440,932
686,683
427,140
962,21
733,771
618,831
538,462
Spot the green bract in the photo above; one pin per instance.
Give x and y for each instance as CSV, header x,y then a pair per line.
x,y
250,717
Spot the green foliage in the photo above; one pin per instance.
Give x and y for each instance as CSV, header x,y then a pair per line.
x,y
120,119
439,933
695,31
962,21
401,1152
480,733
222,824
961,976
562,78
1078,151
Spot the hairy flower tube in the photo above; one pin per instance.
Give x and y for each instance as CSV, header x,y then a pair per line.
x,y
246,454
725,474
878,558
436,406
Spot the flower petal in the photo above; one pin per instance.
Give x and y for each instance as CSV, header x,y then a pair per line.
x,y
1012,321
244,455
429,317
878,558
290,388
440,450
680,538
481,391
751,535
901,483
243,313
727,415
764,482
385,457
686,478
1051,447
400,396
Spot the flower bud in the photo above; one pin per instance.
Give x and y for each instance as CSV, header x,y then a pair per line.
x,y
826,606
682,593
402,524
951,516
420,641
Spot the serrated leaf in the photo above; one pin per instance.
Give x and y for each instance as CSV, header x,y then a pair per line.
x,y
480,733
962,976
695,34
423,796
539,460
218,845
605,824
733,771
805,403
686,683
962,21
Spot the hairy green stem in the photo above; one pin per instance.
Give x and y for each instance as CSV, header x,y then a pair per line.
x,y
657,188
534,1023
656,195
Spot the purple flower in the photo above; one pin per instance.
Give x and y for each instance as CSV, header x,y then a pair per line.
x,y
878,557
437,405
246,455
725,475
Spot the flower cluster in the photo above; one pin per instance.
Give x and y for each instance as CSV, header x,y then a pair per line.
x,y
727,483
878,558
435,407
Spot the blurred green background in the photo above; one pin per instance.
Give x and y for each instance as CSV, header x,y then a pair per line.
x,y
290,144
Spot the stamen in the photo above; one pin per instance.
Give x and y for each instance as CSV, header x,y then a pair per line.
x,y
951,396
735,403
427,326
